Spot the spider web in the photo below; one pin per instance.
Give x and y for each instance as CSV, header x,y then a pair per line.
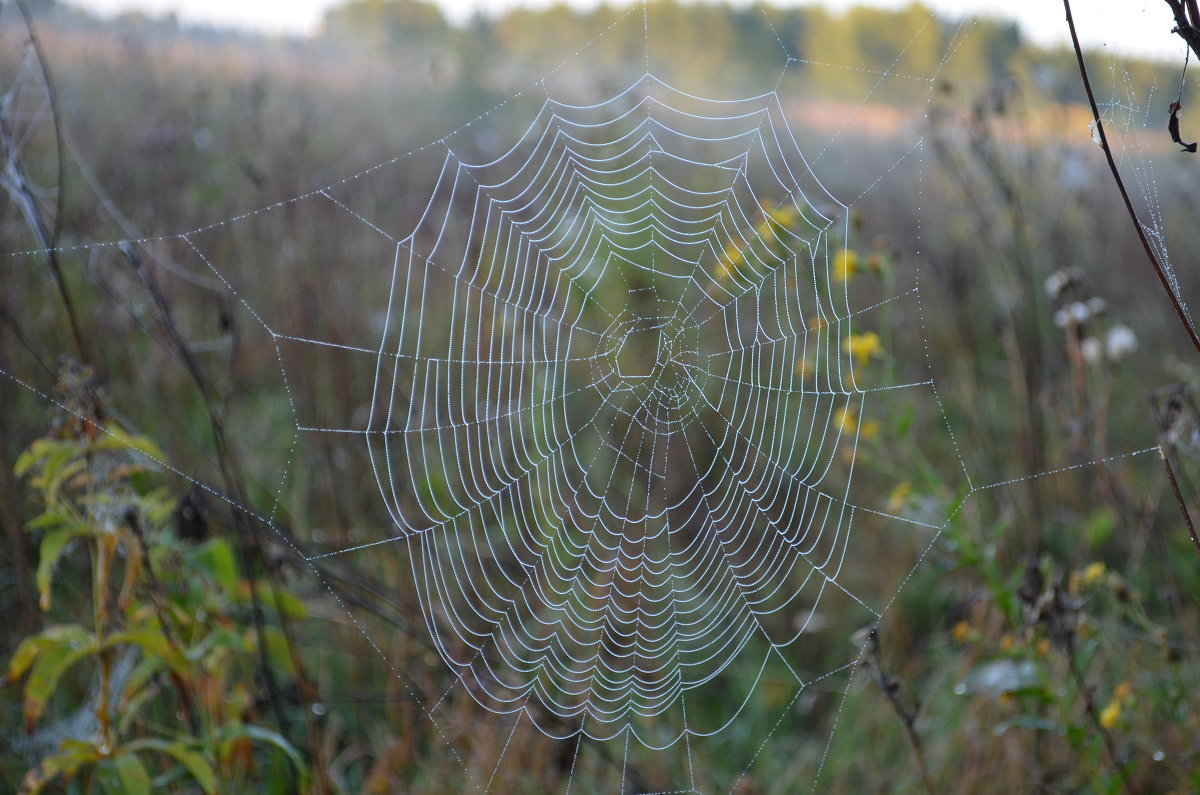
x,y
610,400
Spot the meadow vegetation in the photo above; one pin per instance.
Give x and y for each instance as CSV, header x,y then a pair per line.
x,y
161,638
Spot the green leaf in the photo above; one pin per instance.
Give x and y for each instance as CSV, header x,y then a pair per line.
x,y
278,652
71,756
216,558
196,763
44,676
153,643
52,547
282,600
134,778
30,648
116,439
233,733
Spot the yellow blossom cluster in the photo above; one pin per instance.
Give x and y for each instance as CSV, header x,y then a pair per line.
x,y
863,347
848,422
734,257
1111,714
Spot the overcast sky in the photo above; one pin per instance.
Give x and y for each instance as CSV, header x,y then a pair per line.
x,y
1131,26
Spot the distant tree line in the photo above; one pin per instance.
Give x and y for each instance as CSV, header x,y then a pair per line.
x,y
863,52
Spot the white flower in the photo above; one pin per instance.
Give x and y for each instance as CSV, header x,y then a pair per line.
x,y
1097,305
1055,283
1076,312
1092,350
1120,343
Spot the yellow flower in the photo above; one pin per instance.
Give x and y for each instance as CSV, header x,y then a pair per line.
x,y
846,420
845,264
960,631
1123,691
870,429
1110,714
784,215
728,264
1093,572
766,233
863,347
899,497
1006,642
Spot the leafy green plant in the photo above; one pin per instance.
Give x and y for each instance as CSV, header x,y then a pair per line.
x,y
173,703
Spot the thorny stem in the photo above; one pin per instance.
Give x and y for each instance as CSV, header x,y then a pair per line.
x,y
1112,166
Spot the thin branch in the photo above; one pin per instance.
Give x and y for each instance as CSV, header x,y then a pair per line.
x,y
13,179
1112,166
1183,509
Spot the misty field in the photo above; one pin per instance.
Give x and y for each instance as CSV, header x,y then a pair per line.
x,y
363,397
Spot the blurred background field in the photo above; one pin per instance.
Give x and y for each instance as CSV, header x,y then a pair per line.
x,y
1046,643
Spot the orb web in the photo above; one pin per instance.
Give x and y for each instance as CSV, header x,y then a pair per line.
x,y
611,396
588,420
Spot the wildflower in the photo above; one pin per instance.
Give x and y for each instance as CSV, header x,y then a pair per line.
x,y
848,422
1076,313
765,232
1092,350
899,496
1123,691
1120,342
1110,714
960,632
783,215
1007,642
845,264
863,346
1060,280
1055,284
728,264
1093,572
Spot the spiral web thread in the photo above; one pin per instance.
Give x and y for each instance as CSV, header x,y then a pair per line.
x,y
607,414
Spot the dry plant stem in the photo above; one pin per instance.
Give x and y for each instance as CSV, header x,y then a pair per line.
x,y
14,181
906,714
1187,516
1112,166
1187,21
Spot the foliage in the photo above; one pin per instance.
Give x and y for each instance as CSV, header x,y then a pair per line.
x,y
1051,622
167,651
